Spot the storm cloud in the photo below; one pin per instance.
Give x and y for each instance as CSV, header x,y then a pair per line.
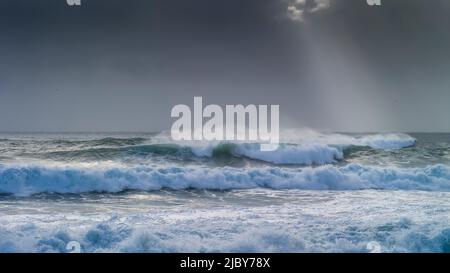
x,y
116,65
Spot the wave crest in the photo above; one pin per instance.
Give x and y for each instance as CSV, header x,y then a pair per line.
x,y
309,154
317,149
388,141
27,180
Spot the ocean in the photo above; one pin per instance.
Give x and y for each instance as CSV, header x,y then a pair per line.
x,y
141,192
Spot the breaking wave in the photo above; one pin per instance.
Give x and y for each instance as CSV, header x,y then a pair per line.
x,y
28,180
387,141
306,153
108,238
309,154
285,154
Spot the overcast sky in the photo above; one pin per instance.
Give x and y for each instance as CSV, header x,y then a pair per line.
x,y
120,65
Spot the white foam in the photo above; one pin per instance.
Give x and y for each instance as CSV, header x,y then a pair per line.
x,y
311,148
375,141
388,141
305,154
295,221
306,146
26,180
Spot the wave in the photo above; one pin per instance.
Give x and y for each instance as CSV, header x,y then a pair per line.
x,y
287,153
111,152
259,220
106,141
307,149
387,141
308,154
113,141
290,154
28,180
380,141
110,236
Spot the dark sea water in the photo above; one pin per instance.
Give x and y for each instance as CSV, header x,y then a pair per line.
x,y
144,193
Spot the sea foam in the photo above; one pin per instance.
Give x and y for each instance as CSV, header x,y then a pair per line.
x,y
302,154
27,180
323,149
387,141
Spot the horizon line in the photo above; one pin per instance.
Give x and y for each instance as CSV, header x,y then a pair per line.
x,y
154,132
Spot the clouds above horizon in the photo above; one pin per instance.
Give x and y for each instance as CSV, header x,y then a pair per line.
x,y
120,65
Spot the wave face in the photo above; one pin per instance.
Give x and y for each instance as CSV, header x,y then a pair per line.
x,y
29,180
313,150
307,154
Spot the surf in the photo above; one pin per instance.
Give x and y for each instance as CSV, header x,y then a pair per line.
x,y
28,180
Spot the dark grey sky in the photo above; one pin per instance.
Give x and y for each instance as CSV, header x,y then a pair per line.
x,y
120,65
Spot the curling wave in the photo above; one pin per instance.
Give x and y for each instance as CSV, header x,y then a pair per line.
x,y
299,154
28,180
308,154
313,150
